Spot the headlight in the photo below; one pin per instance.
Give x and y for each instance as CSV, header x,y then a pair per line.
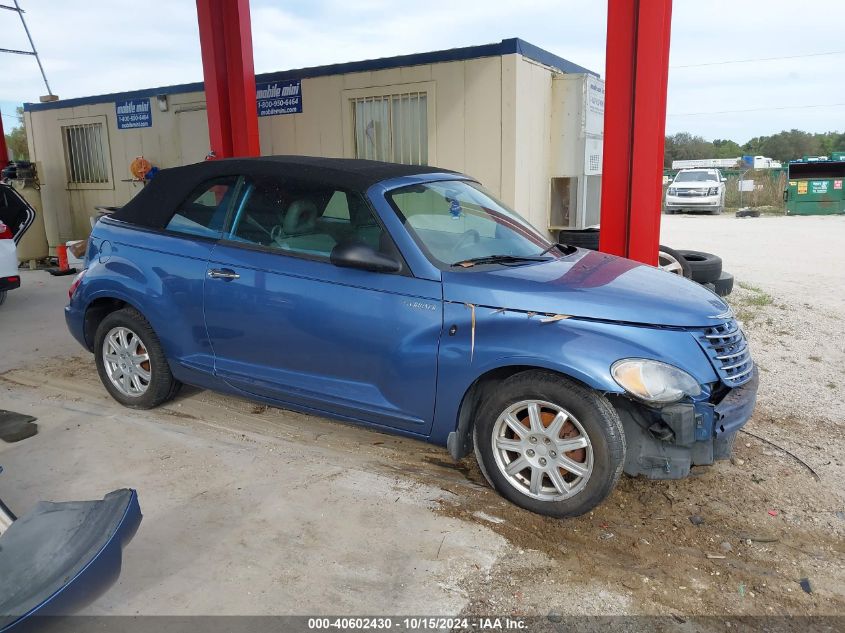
x,y
712,191
653,381
672,191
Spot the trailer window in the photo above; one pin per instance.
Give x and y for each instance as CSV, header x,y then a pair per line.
x,y
392,128
85,154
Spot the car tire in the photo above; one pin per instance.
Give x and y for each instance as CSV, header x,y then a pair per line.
x,y
2,296
141,341
724,285
588,238
588,414
672,261
705,267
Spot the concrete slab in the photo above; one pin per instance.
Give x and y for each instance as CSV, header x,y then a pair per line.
x,y
32,324
241,523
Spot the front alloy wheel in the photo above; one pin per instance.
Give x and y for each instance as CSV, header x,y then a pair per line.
x,y
548,444
542,450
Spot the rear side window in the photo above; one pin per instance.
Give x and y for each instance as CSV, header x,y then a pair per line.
x,y
204,211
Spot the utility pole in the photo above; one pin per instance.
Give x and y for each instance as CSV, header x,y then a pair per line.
x,y
17,9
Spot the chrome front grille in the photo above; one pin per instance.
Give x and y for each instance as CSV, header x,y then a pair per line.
x,y
727,348
693,192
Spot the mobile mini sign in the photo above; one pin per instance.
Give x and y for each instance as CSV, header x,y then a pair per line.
x,y
133,113
279,97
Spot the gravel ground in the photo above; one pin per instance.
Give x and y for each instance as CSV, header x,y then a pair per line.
x,y
799,259
789,295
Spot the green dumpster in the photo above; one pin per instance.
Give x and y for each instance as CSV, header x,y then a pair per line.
x,y
815,185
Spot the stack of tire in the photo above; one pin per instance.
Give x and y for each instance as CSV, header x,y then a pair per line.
x,y
704,268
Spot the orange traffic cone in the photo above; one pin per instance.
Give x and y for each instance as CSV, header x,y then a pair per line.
x,y
61,253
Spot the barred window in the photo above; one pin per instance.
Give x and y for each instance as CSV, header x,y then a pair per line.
x,y
85,153
393,128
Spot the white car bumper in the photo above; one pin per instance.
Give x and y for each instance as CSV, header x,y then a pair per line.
x,y
693,202
8,265
8,258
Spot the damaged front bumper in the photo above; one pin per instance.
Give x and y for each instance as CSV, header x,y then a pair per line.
x,y
664,442
61,556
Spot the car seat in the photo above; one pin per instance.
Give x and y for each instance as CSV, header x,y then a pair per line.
x,y
299,228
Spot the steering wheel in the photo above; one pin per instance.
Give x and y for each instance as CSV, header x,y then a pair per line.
x,y
276,233
465,239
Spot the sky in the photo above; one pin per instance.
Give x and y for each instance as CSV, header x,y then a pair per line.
x,y
98,46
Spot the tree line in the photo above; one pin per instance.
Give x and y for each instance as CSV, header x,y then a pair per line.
x,y
783,146
16,139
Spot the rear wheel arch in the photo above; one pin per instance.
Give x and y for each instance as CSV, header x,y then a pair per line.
x,y
98,310
459,442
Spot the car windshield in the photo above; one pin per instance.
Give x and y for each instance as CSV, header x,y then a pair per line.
x,y
456,222
695,176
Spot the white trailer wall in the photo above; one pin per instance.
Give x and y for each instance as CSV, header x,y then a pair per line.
x,y
489,117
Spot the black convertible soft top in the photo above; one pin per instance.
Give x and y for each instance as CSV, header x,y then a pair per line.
x,y
154,205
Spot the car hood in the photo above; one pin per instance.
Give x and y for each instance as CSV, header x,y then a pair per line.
x,y
588,284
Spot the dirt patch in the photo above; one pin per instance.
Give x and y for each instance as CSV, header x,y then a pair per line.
x,y
642,547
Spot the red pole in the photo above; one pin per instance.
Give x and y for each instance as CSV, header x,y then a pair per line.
x,y
618,126
242,107
229,76
214,73
638,33
4,151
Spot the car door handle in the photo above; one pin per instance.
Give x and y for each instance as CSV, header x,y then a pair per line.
x,y
223,273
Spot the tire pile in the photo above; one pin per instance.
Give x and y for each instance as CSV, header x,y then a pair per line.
x,y
704,268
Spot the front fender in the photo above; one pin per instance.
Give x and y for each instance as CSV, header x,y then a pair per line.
x,y
583,350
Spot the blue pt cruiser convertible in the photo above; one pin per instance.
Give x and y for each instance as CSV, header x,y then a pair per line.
x,y
409,299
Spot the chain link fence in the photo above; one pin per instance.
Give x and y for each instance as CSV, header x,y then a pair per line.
x,y
762,189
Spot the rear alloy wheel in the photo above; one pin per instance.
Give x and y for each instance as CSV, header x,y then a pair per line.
x,y
548,444
672,261
127,362
130,361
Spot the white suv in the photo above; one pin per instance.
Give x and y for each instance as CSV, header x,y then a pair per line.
x,y
15,218
697,190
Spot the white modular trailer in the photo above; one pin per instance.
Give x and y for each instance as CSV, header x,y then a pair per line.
x,y
577,151
701,163
523,121
740,162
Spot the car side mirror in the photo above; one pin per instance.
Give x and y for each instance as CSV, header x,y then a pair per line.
x,y
724,179
363,257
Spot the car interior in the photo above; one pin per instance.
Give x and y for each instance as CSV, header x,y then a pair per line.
x,y
304,220
311,220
